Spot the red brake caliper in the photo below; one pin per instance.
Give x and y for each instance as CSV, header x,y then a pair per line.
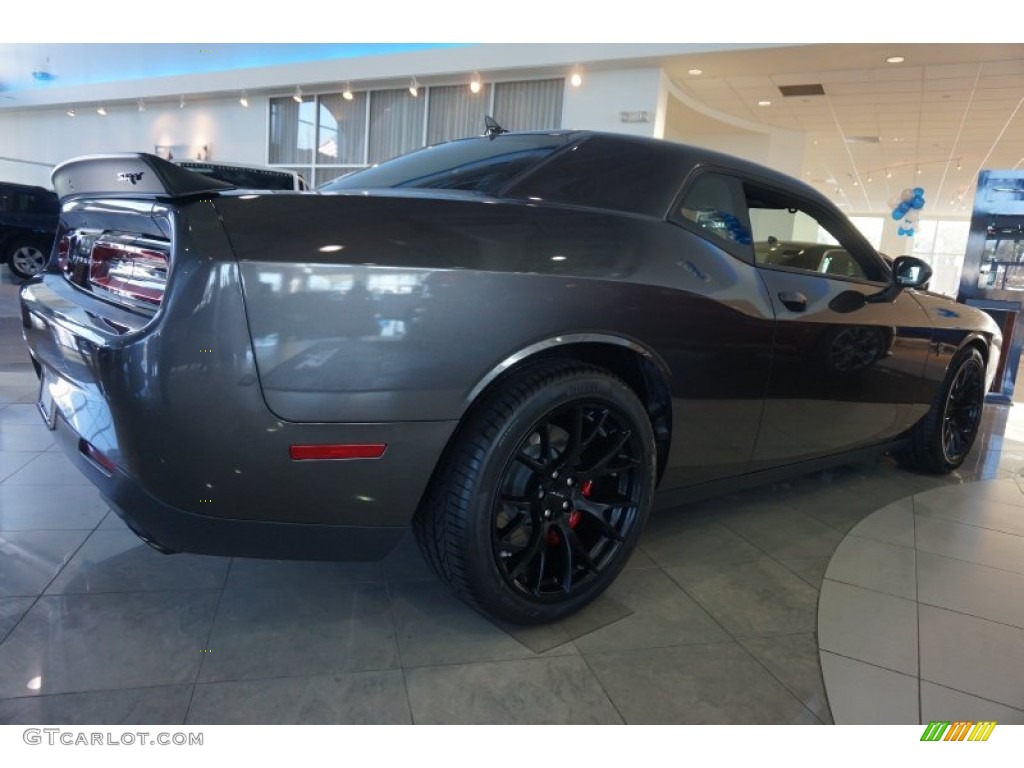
x,y
574,517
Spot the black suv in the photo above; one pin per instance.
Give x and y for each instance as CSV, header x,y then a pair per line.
x,y
28,225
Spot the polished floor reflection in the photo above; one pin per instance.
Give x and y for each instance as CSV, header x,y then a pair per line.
x,y
716,619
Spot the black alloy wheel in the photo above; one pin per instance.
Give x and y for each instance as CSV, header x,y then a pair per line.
x,y
962,414
568,500
943,438
543,493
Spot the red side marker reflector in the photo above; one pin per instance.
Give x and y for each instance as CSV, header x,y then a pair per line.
x,y
96,456
342,451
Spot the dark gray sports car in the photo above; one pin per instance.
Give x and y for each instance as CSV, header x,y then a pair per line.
x,y
509,342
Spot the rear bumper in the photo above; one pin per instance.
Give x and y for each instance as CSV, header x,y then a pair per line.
x,y
180,441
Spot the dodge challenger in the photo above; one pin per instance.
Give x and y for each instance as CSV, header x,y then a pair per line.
x,y
518,344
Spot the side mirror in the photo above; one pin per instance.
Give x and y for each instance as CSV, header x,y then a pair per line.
x,y
911,272
907,272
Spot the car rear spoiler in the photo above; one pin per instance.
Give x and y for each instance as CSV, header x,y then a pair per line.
x,y
129,174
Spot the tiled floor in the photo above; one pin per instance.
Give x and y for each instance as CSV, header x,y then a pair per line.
x,y
716,619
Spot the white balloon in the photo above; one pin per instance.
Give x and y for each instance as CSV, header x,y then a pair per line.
x,y
907,196
893,202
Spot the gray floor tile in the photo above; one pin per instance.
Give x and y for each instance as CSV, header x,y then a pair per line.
x,y
700,542
662,615
941,703
835,507
11,611
875,565
20,413
979,511
785,533
118,561
55,507
870,626
18,394
113,523
966,542
972,655
12,461
809,569
436,628
25,437
352,698
602,612
1004,491
74,643
544,691
751,599
892,524
48,468
987,593
793,661
248,573
695,684
30,559
165,705
863,694
280,632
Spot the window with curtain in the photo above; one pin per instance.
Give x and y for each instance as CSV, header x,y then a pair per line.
x,y
532,105
292,130
396,124
456,113
341,137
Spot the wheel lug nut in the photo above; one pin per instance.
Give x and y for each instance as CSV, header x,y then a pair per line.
x,y
540,493
547,514
569,481
554,475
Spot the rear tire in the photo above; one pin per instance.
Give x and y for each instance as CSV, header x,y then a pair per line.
x,y
25,258
942,440
543,494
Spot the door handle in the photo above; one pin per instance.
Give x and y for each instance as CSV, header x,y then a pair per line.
x,y
794,301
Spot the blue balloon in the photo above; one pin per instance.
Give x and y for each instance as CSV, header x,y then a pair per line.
x,y
910,232
918,202
918,191
896,215
901,231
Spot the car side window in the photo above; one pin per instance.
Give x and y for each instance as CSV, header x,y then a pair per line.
x,y
714,204
790,233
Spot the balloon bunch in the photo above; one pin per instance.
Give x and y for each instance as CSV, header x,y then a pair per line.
x,y
908,208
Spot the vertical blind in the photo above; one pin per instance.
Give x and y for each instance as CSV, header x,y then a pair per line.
x,y
325,133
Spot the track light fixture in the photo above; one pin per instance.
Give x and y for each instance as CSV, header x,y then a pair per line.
x,y
101,110
244,100
71,112
576,79
347,93
414,88
297,96
142,105
474,84
181,102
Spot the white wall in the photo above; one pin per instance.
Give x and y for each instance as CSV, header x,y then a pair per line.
x,y
231,132
596,104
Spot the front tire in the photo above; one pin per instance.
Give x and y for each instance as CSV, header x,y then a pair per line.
x,y
543,494
942,440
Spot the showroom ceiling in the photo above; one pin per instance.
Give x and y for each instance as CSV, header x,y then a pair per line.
x,y
931,121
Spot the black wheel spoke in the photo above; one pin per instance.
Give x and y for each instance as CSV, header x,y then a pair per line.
x,y
581,555
595,511
599,466
529,461
511,527
520,562
545,441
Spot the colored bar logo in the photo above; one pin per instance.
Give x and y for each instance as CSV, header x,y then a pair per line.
x,y
961,730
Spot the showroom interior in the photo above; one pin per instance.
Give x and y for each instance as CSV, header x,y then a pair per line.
x,y
862,594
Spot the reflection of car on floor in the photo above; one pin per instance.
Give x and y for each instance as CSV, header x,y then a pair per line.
x,y
28,223
508,341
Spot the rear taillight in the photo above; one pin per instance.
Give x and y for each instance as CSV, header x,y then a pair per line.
x,y
126,269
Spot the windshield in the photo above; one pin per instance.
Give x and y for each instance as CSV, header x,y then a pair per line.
x,y
480,164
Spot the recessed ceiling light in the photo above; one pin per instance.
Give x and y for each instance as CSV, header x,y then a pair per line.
x,y
696,72
414,88
101,110
474,84
576,79
895,60
244,100
764,103
347,93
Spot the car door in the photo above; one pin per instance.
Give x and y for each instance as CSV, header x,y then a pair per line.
x,y
847,360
